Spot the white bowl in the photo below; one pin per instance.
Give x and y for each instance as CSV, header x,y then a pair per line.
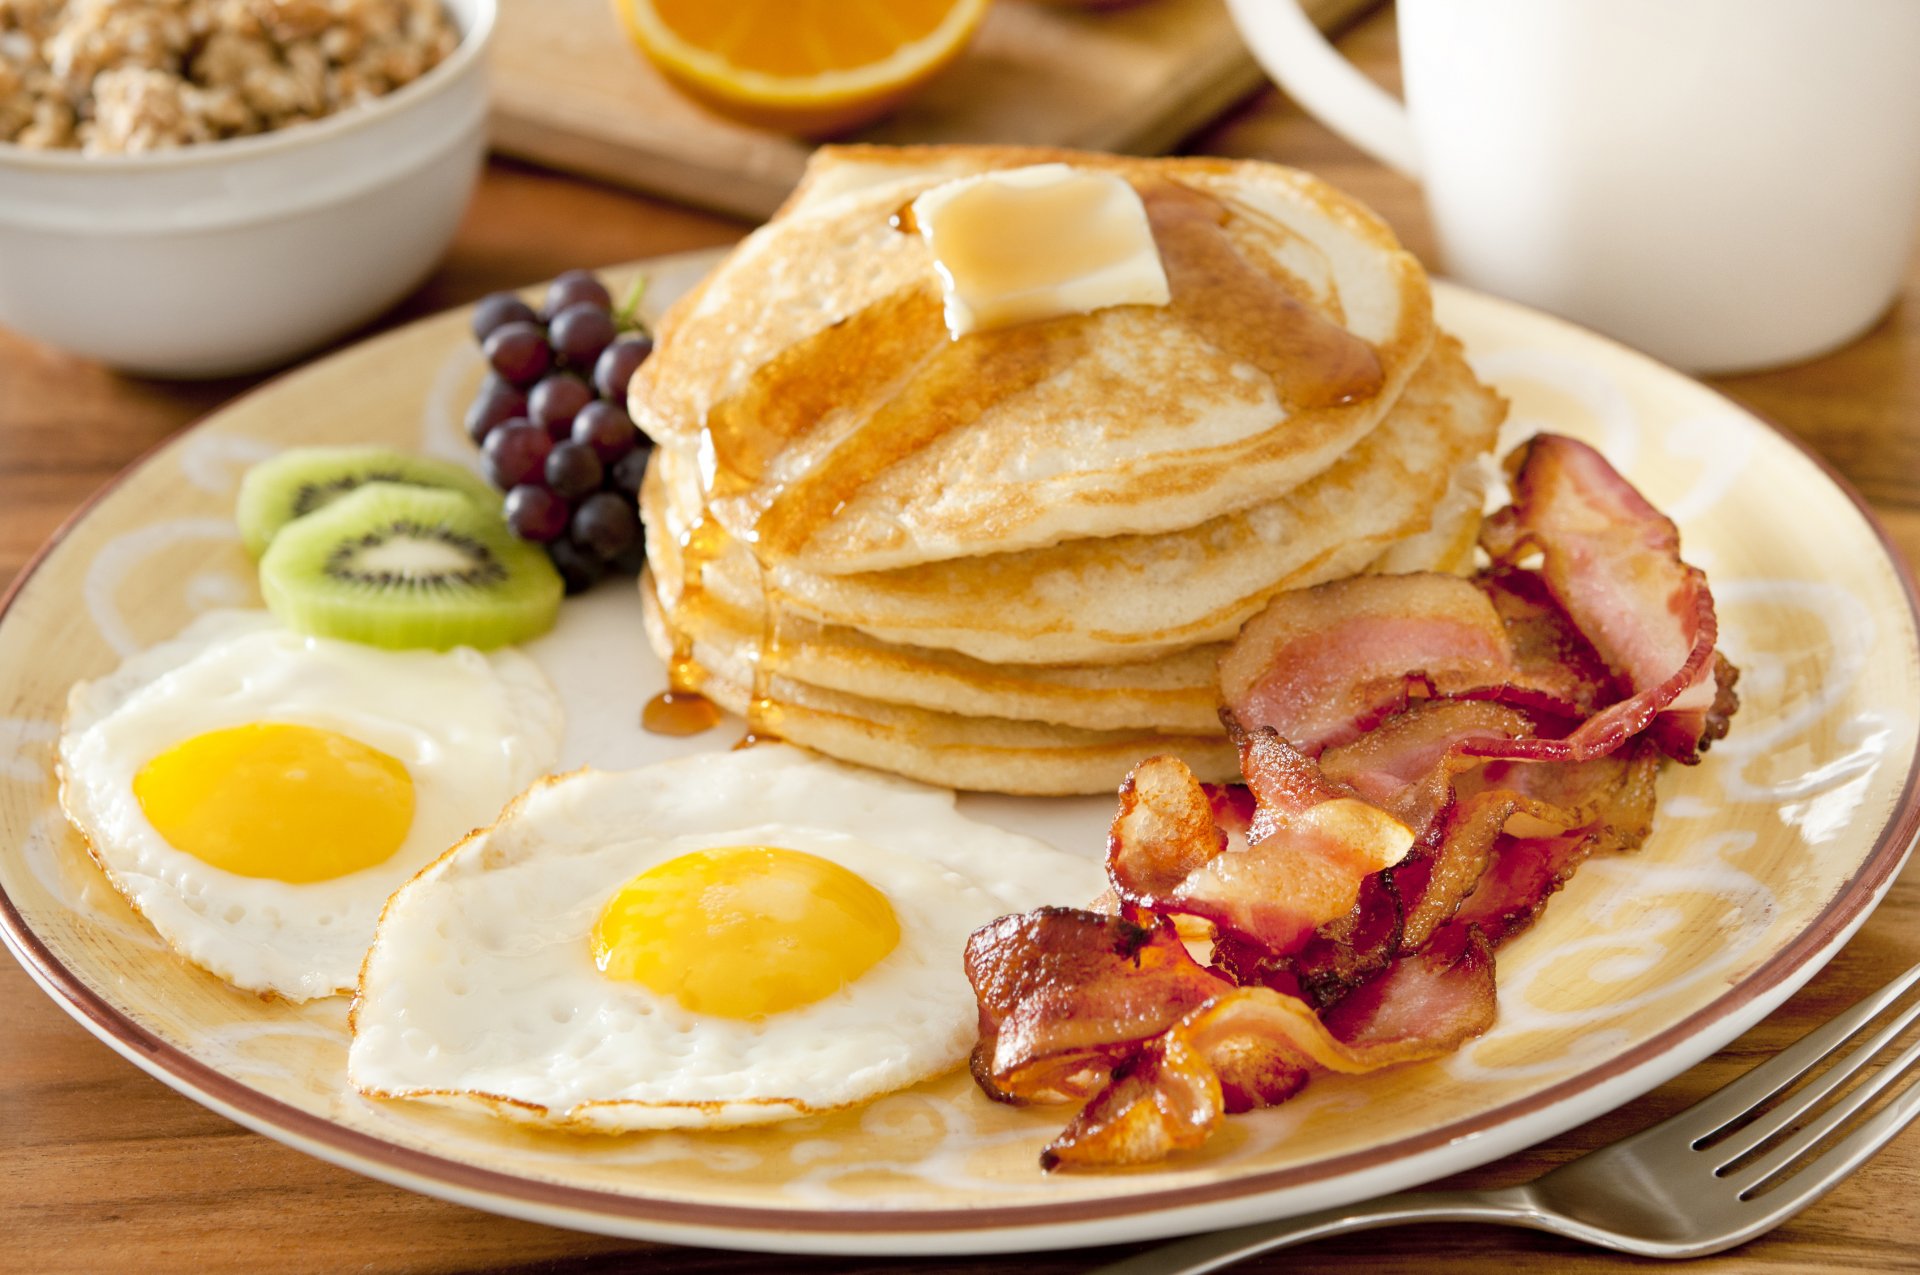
x,y
232,256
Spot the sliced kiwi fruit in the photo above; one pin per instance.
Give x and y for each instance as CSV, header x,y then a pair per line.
x,y
296,483
400,566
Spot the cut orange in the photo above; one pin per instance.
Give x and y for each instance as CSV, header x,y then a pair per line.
x,y
808,67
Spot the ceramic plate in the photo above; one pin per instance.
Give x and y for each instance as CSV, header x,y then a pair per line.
x,y
1763,861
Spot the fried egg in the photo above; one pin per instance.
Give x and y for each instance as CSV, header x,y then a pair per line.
x,y
257,794
721,940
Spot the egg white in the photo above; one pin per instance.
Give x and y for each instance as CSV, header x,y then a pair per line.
x,y
472,728
480,988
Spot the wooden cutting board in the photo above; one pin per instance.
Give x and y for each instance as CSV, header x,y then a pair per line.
x,y
570,92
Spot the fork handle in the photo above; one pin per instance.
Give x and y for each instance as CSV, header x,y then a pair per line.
x,y
1220,1249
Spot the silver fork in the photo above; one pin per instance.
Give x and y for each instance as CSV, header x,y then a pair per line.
x,y
1671,1191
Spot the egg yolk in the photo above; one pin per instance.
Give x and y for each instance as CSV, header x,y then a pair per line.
x,y
270,799
744,931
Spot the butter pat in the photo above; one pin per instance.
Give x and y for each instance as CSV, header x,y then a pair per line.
x,y
1037,243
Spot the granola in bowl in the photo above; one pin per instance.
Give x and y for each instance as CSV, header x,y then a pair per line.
x,y
126,76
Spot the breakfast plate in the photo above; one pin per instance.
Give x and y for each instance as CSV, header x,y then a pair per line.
x,y
1763,861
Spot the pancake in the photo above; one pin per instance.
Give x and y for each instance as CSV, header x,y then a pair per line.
x,y
1124,599
1454,531
845,433
986,754
1174,692
1177,692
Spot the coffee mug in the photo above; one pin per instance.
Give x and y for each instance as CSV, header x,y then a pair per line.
x,y
1727,184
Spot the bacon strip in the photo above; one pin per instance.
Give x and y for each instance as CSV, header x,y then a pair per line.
x,y
1432,889
1411,766
1524,872
1612,562
1065,994
1599,806
1407,765
1307,849
1341,954
1254,1047
1550,655
1427,1005
1614,633
1165,1098
1522,876
1321,666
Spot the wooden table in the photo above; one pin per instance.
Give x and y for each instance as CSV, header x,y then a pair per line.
x,y
105,1169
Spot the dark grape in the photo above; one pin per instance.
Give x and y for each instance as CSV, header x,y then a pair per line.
x,y
498,310
580,568
519,352
573,470
629,470
516,452
607,429
497,401
574,287
580,332
629,560
606,523
534,513
618,364
556,400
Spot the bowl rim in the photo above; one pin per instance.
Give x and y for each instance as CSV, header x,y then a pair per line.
x,y
474,42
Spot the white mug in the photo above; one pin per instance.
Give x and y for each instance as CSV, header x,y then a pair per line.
x,y
1727,184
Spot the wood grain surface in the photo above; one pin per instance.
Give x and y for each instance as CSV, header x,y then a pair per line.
x,y
104,1169
570,92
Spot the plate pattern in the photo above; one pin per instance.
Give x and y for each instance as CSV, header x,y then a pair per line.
x,y
1760,857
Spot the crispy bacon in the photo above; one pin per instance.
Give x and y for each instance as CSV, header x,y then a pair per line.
x,y
1427,760
1321,666
1614,798
1341,954
1550,655
1613,636
1600,806
1306,851
1065,994
1725,702
1164,832
1427,1004
1254,1046
1165,1098
1432,890
1521,876
1612,562
1407,764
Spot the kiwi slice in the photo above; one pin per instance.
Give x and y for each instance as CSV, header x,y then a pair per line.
x,y
297,482
398,566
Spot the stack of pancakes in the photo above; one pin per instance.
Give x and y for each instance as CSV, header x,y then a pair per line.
x,y
1009,561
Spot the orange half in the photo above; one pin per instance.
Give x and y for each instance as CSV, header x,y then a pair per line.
x,y
809,67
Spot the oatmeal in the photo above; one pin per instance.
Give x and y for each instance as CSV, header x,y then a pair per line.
x,y
120,76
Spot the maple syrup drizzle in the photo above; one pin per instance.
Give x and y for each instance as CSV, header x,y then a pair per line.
x,y
681,709
949,391
840,373
679,713
1245,312
763,712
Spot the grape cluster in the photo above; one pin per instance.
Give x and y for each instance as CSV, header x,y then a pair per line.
x,y
552,426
